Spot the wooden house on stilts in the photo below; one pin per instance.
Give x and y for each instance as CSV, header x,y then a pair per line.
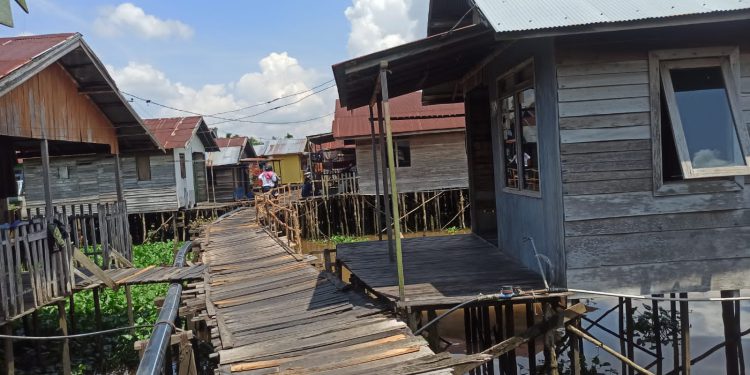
x,y
607,149
230,177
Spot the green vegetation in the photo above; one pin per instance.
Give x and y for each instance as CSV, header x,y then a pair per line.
x,y
453,230
113,352
337,239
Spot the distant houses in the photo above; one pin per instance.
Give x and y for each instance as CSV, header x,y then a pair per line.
x,y
230,174
289,155
429,141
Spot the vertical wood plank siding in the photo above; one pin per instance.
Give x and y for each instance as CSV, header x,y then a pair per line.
x,y
92,180
49,105
438,161
615,227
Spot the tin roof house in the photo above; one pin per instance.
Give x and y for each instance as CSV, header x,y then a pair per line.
x,y
429,140
612,133
230,176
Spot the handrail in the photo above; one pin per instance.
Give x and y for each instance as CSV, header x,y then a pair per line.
x,y
152,362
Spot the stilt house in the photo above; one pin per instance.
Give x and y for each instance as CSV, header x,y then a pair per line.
x,y
612,133
54,90
289,155
230,175
429,140
178,179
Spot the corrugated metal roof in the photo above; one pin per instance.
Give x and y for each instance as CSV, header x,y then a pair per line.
x,y
524,15
173,132
231,142
16,52
356,123
225,156
282,147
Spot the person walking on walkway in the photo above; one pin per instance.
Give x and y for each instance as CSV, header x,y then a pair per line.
x,y
268,179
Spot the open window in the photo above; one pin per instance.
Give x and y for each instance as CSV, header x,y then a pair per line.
x,y
518,127
403,153
698,125
183,172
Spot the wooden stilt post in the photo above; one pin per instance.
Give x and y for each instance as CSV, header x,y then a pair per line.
x,y
10,365
510,327
174,229
375,169
143,226
433,337
621,330
129,302
629,326
685,334
550,353
656,321
66,344
72,318
532,343
731,332
675,337
386,186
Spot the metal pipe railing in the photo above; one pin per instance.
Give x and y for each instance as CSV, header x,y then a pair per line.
x,y
152,362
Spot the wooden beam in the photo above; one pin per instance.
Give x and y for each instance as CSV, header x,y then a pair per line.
x,y
609,350
87,263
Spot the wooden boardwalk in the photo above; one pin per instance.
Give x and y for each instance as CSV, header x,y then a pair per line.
x,y
148,275
442,270
271,313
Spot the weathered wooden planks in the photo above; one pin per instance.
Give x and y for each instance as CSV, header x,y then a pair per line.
x,y
273,313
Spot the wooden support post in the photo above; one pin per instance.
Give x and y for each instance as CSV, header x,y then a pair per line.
x,y
143,227
175,234
575,346
72,312
656,321
550,353
467,330
731,332
621,329
685,334
47,188
129,302
66,367
386,185
675,337
10,365
531,344
97,318
510,326
433,338
629,335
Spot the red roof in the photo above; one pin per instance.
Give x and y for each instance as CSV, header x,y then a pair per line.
x,y
18,51
231,142
173,132
416,117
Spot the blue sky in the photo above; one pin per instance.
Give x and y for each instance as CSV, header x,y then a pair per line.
x,y
212,57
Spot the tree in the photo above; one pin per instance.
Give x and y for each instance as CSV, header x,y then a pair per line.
x,y
254,141
229,135
289,136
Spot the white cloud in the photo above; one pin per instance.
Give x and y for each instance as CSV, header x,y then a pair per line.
x,y
128,19
381,24
279,74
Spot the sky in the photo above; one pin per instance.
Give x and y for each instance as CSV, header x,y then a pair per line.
x,y
207,58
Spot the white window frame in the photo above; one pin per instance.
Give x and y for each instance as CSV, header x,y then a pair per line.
x,y
694,179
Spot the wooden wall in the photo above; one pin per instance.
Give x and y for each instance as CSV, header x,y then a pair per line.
x,y
92,180
521,216
438,161
224,183
291,168
619,235
48,105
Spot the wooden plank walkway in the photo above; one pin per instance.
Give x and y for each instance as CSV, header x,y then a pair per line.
x,y
271,313
148,275
438,271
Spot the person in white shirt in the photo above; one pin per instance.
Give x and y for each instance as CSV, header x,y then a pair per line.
x,y
268,179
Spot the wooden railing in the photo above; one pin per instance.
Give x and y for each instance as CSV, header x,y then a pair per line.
x,y
339,183
276,212
37,255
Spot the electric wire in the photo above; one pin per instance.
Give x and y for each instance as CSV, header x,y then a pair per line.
x,y
76,336
274,100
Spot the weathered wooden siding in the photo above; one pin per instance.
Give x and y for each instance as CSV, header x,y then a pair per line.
x,y
92,180
48,105
438,161
199,175
520,216
619,235
224,182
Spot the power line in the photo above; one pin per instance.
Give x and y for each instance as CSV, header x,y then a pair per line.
x,y
274,100
225,119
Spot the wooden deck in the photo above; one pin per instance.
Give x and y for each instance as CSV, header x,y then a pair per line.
x,y
439,271
271,313
148,275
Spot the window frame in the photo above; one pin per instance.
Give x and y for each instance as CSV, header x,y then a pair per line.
x,y
61,175
408,144
183,165
138,160
695,180
514,91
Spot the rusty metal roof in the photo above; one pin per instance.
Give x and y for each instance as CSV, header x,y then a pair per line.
x,y
282,147
18,51
507,16
176,132
231,142
409,115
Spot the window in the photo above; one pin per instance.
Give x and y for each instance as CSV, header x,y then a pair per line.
x,y
403,154
517,119
183,173
143,168
700,132
63,172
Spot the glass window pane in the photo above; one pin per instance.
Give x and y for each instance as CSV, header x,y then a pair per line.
x,y
706,117
508,121
527,106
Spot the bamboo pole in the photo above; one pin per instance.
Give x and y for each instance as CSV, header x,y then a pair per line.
x,y
375,169
386,193
394,187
